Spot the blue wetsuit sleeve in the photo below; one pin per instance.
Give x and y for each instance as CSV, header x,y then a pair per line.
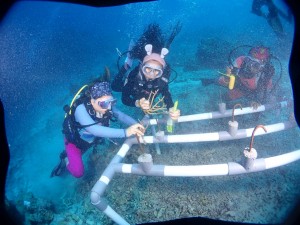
x,y
122,117
83,117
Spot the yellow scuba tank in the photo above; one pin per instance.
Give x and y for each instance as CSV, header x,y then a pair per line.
x,y
231,81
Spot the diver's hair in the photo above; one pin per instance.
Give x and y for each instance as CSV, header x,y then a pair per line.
x,y
105,77
153,35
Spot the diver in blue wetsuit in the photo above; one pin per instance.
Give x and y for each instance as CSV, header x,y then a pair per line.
x,y
87,123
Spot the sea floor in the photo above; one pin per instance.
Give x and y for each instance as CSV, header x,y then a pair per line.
x,y
261,197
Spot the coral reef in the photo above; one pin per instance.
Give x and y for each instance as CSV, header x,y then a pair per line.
x,y
36,210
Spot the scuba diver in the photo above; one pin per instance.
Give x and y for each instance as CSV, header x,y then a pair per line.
x,y
248,76
87,122
151,74
272,15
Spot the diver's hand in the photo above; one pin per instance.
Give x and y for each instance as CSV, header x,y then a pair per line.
x,y
174,114
228,70
135,129
143,103
255,105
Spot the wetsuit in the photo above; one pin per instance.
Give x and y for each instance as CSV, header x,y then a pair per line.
x,y
85,115
248,84
137,87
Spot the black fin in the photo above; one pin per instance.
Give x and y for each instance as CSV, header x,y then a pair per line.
x,y
174,33
61,166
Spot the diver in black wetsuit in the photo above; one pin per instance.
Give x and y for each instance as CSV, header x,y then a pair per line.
x,y
272,15
152,73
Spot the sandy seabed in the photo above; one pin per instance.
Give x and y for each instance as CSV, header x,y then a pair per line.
x,y
262,197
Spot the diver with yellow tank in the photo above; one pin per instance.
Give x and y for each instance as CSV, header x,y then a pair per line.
x,y
250,76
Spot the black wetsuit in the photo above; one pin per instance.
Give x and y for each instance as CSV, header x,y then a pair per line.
x,y
138,87
258,4
272,15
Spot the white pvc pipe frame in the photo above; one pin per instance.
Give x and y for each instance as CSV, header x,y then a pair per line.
x,y
230,168
228,113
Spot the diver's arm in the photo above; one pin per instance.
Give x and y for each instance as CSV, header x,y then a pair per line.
x,y
268,72
83,117
122,117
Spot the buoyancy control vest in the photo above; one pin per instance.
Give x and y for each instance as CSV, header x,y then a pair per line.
x,y
71,127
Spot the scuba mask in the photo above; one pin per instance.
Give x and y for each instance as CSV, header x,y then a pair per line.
x,y
107,103
250,67
152,71
260,53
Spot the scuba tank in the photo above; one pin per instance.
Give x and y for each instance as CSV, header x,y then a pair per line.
x,y
231,80
70,126
170,122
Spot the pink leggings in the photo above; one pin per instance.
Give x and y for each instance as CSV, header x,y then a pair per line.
x,y
74,155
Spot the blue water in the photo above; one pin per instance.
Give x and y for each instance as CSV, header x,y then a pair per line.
x,y
49,50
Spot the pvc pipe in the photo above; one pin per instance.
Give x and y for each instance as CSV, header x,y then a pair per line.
x,y
174,171
230,168
146,121
202,116
115,216
218,136
236,168
193,137
108,173
125,148
157,148
101,185
228,113
199,170
281,160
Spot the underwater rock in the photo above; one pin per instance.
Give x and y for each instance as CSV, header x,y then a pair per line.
x,y
43,216
16,216
38,210
212,53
